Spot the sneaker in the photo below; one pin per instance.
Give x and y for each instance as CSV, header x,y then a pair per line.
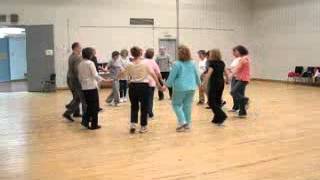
x,y
187,127
200,103
143,130
233,110
132,128
181,128
125,99
95,128
121,100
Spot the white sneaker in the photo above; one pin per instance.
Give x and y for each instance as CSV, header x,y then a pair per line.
x,y
125,99
143,130
121,100
181,128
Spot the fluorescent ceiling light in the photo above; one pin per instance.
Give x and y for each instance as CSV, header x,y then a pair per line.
x,y
7,31
12,31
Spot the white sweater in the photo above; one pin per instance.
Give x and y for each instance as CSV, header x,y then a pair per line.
x,y
88,75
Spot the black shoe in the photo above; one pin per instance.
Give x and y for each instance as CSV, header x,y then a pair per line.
x,y
151,115
208,107
132,130
223,103
95,127
68,117
100,109
86,125
77,115
67,106
242,115
219,122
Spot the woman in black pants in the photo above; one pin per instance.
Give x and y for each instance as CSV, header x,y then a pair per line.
x,y
89,78
139,73
215,79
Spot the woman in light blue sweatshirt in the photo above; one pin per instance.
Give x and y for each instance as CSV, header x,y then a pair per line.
x,y
184,79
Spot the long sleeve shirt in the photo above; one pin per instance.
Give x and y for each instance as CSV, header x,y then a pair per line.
x,y
164,62
73,63
88,75
184,76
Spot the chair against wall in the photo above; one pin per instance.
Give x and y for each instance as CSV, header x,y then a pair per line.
x,y
49,85
296,74
308,74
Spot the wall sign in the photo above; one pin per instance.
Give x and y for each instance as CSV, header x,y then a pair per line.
x,y
141,21
3,56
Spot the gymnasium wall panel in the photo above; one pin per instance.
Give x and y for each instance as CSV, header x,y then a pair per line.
x,y
105,24
286,33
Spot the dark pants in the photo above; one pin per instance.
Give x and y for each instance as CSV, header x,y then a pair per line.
x,y
215,101
238,93
123,88
139,98
165,76
236,105
77,97
150,105
91,115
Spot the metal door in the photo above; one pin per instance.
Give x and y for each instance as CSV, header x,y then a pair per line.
x,y
40,56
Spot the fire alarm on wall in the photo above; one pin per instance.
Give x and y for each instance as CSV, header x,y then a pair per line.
x,y
14,18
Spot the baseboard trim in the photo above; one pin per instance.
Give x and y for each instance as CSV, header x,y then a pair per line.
x,y
270,80
287,82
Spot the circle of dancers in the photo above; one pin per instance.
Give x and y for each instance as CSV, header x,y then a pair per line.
x,y
135,76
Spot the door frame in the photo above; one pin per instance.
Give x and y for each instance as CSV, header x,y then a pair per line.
x,y
169,39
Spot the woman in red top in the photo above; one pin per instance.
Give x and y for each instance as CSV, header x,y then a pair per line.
x,y
242,74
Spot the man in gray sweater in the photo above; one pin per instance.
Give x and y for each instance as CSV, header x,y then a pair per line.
x,y
74,84
164,61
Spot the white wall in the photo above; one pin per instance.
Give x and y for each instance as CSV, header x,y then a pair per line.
x,y
286,33
96,23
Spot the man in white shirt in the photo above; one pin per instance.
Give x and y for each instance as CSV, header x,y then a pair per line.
x,y
202,66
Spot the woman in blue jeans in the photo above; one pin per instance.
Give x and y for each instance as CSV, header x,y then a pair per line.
x,y
184,79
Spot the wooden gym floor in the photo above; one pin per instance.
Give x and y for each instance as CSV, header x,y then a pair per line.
x,y
278,141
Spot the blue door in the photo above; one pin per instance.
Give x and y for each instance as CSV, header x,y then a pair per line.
x,y
4,60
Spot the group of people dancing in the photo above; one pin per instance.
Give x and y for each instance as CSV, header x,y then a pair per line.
x,y
140,74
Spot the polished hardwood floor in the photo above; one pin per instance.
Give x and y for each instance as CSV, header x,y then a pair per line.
x,y
14,86
278,141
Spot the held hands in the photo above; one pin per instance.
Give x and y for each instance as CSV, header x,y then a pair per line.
x,y
163,88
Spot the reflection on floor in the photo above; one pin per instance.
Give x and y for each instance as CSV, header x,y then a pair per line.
x,y
18,86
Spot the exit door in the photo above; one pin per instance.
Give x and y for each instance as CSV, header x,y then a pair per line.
x,y
171,47
40,56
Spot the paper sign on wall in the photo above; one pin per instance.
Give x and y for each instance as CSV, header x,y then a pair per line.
x,y
49,52
3,56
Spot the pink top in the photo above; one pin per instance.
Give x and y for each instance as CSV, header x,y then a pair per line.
x,y
243,69
153,66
